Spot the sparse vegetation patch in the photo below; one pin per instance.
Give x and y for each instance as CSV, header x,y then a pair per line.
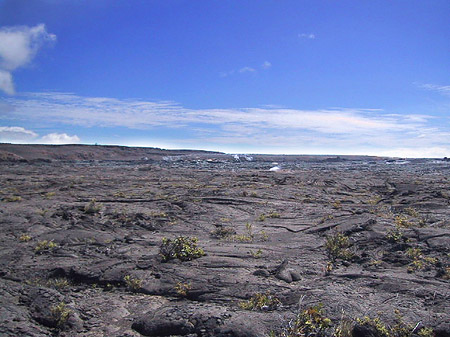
x,y
182,289
262,302
182,248
45,246
133,284
92,207
61,314
337,247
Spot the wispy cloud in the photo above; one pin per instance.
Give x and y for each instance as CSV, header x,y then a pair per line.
x,y
17,134
441,89
18,47
289,130
266,65
309,36
247,70
85,111
14,133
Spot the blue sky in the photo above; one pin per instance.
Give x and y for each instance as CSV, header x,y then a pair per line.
x,y
313,77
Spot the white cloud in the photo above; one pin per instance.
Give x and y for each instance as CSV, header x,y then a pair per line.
x,y
244,70
309,36
18,47
60,138
17,134
6,82
9,134
278,129
77,110
442,89
266,65
247,70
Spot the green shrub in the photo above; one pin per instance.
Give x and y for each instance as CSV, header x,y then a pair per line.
x,y
374,324
60,314
182,248
395,235
133,284
313,322
13,198
58,283
337,247
182,289
248,236
419,260
256,254
401,221
45,246
24,238
412,212
261,301
310,322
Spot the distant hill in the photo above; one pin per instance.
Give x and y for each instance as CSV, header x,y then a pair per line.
x,y
17,152
36,152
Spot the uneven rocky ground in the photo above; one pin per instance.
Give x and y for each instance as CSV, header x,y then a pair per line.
x,y
74,267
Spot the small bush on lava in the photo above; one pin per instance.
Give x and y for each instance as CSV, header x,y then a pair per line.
x,y
182,248
60,314
310,322
133,284
45,246
262,302
337,247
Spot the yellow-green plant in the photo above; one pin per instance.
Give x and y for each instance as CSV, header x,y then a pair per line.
x,y
42,212
337,247
310,322
119,194
399,329
248,236
273,215
13,198
60,314
49,195
395,235
375,324
45,246
182,248
426,332
182,289
256,254
262,217
58,283
412,212
419,260
313,322
337,204
261,301
401,221
133,284
24,238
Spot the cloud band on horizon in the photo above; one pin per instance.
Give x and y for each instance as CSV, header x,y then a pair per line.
x,y
337,128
